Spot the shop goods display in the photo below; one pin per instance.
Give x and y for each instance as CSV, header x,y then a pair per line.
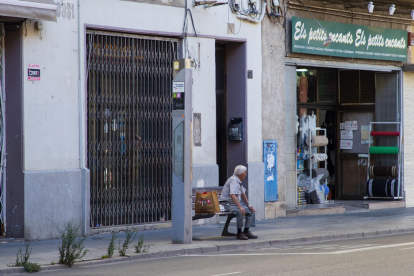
x,y
318,171
384,150
383,188
388,183
383,171
317,141
302,196
319,157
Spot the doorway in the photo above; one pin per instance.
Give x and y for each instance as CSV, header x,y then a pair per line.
x,y
354,162
231,85
221,117
129,128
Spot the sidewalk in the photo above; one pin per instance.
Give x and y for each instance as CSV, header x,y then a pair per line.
x,y
273,232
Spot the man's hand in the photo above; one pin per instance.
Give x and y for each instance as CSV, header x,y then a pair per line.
x,y
252,209
242,210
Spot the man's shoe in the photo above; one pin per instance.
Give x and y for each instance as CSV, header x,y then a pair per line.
x,y
250,235
241,236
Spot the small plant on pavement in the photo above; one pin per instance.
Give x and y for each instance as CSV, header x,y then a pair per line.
x,y
130,237
22,258
140,246
111,247
32,267
72,248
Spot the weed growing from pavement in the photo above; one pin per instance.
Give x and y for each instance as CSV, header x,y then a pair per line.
x,y
32,267
22,258
140,246
111,247
130,237
72,248
52,263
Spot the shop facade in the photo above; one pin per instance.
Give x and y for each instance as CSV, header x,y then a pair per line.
x,y
356,78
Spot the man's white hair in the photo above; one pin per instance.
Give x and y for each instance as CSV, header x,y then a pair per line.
x,y
240,169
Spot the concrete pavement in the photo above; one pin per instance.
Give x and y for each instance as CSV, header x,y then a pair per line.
x,y
275,232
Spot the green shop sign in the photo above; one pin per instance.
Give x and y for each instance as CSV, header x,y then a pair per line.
x,y
352,41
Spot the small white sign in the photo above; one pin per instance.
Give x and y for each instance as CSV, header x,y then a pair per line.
x,y
351,125
178,87
342,125
346,144
347,134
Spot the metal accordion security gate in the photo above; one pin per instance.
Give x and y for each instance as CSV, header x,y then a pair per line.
x,y
129,127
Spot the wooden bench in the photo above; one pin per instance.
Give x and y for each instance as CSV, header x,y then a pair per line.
x,y
229,215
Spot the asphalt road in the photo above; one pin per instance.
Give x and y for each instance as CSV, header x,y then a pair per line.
x,y
389,255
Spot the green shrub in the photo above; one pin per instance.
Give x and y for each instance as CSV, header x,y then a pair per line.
x,y
72,248
22,258
130,237
111,247
140,246
32,267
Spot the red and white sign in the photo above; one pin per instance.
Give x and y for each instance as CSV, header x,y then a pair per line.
x,y
33,72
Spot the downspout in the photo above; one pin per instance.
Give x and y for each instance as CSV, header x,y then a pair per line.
x,y
81,143
254,20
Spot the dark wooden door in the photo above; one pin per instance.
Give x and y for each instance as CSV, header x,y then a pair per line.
x,y
353,162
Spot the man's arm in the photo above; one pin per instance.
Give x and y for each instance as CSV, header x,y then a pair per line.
x,y
236,201
244,197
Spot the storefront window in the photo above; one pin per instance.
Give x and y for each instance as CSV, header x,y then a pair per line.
x,y
327,85
316,85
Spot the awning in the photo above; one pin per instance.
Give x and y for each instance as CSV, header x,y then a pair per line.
x,y
32,9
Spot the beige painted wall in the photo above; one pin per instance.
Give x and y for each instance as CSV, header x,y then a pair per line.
x,y
408,141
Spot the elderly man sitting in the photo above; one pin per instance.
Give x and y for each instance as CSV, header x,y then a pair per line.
x,y
234,194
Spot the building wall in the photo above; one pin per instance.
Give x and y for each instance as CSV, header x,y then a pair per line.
x,y
273,107
408,141
52,148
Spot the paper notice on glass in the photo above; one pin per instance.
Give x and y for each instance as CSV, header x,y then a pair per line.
x,y
346,144
347,134
365,135
351,125
342,125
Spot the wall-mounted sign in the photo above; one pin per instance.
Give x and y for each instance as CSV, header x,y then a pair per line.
x,y
348,40
178,86
33,72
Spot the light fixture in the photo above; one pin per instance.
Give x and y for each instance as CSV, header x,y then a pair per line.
x,y
370,7
412,14
328,38
391,10
301,70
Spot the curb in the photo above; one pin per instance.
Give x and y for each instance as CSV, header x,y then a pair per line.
x,y
214,249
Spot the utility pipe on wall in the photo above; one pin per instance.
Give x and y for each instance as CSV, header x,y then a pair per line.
x,y
83,169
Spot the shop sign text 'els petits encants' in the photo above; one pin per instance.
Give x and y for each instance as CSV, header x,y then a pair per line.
x,y
352,41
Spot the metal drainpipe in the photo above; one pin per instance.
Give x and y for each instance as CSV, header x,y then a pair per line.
x,y
81,144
